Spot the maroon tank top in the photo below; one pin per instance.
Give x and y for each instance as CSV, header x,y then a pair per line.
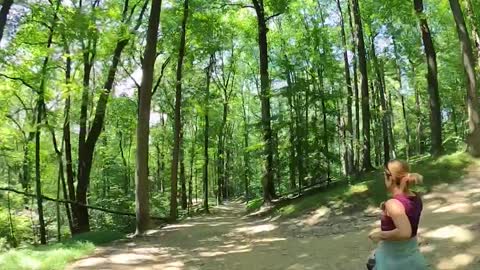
x,y
413,208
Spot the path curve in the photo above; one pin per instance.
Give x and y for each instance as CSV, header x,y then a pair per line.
x,y
450,239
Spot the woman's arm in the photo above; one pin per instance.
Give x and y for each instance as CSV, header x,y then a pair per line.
x,y
403,230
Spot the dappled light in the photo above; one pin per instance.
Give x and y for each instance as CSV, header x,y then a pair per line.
x,y
462,208
319,215
455,233
257,229
318,240
456,262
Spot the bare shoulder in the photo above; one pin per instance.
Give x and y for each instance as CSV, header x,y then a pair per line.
x,y
394,207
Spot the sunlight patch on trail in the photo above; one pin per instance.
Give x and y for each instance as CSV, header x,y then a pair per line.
x,y
461,208
130,258
257,229
321,214
456,233
456,262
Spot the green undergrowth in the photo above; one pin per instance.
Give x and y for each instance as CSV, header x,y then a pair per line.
x,y
369,189
55,256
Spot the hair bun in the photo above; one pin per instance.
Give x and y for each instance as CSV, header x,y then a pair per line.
x,y
415,178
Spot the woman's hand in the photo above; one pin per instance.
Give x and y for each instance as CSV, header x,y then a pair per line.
x,y
375,236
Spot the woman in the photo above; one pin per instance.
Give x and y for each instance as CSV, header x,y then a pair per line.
x,y
398,248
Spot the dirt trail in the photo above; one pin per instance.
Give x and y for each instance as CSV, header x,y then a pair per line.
x,y
450,239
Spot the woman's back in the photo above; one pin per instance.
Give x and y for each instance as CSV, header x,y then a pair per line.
x,y
413,209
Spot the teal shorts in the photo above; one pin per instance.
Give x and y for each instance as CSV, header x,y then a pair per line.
x,y
399,255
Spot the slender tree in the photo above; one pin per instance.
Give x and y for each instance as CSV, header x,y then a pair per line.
x,y
473,139
143,127
268,177
206,133
349,146
367,163
432,78
177,117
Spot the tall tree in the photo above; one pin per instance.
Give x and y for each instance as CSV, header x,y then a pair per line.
x,y
87,143
41,112
355,86
432,78
362,59
268,177
143,126
349,146
384,113
177,116
473,139
208,71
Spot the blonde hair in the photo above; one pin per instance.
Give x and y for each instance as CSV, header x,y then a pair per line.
x,y
401,175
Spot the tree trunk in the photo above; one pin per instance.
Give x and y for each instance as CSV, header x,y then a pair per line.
x,y
407,129
367,163
246,158
158,171
38,181
40,116
475,24
68,145
143,128
384,110
183,179
10,220
206,131
177,117
418,113
299,142
454,119
268,177
87,147
374,122
473,138
192,162
432,78
349,146
6,5
326,151
126,175
355,86
66,140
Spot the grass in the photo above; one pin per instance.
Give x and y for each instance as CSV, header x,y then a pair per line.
x,y
55,256
369,190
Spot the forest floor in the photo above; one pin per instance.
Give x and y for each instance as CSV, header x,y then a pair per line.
x,y
321,239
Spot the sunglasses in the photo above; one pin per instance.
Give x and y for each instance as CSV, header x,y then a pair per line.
x,y
387,171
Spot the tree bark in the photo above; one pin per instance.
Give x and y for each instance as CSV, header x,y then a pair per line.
x,y
384,110
246,158
192,164
268,177
40,117
183,179
68,145
85,154
349,146
355,86
367,163
432,78
475,24
6,5
473,138
177,116
143,128
206,133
